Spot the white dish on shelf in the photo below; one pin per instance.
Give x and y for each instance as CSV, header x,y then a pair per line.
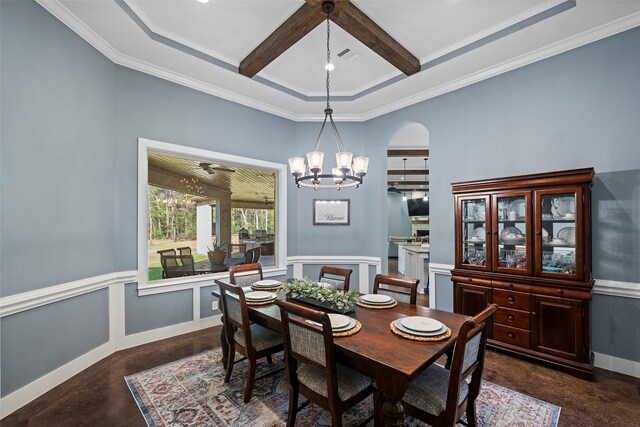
x,y
479,211
518,207
568,234
480,233
569,216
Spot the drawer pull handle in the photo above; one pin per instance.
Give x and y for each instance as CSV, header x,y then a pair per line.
x,y
510,299
511,317
511,335
511,285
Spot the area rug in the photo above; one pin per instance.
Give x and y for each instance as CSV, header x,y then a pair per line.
x,y
191,392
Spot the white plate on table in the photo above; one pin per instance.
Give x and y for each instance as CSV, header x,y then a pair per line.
x,y
421,324
398,324
338,321
376,299
267,283
259,295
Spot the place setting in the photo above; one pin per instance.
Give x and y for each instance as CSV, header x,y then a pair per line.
x,y
377,301
260,297
266,285
343,326
420,328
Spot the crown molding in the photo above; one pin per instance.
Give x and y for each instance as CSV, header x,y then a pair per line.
x,y
58,10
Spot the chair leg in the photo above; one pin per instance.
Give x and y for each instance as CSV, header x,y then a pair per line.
x,y
336,419
472,421
269,359
231,359
377,409
293,406
251,377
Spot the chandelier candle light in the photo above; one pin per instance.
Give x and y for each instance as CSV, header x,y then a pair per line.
x,y
350,170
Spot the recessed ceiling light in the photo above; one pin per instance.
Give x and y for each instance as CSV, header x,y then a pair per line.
x,y
329,67
203,1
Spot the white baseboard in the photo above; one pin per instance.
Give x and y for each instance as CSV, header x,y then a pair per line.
x,y
35,389
38,387
616,364
146,337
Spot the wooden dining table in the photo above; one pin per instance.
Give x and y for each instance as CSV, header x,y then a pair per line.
x,y
391,360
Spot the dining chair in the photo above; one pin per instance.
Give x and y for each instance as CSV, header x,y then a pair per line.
x,y
245,274
311,366
252,256
439,396
337,277
249,339
404,289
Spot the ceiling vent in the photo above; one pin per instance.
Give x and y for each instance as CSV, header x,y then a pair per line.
x,y
349,55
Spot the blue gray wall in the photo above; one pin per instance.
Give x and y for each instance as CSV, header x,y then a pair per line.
x,y
71,119
574,110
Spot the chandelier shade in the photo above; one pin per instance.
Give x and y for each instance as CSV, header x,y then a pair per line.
x,y
349,171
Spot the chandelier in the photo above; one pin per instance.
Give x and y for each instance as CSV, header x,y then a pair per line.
x,y
350,170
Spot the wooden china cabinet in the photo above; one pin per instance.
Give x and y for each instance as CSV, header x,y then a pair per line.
x,y
524,242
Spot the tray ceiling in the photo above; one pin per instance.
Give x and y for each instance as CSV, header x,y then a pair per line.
x,y
458,42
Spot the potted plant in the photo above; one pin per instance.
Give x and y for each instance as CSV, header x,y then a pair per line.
x,y
218,253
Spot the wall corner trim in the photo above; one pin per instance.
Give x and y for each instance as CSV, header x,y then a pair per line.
x,y
13,304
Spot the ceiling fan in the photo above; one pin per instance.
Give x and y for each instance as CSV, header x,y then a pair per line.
x,y
212,169
351,19
393,189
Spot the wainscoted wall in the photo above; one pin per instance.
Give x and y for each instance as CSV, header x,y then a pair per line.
x,y
70,123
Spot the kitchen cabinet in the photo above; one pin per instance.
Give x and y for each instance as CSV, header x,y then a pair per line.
x,y
524,243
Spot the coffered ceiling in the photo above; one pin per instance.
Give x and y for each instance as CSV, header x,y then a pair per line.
x,y
458,42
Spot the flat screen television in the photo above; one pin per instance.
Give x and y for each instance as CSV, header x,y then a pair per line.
x,y
418,207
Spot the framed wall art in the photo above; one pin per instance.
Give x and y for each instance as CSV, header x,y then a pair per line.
x,y
331,212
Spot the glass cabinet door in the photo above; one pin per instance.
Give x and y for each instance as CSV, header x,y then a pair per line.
x,y
473,226
512,240
559,250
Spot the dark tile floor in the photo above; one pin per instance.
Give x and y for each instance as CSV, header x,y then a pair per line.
x,y
99,396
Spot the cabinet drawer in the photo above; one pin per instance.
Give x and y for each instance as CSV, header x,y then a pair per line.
x,y
560,292
513,336
517,318
511,299
514,286
471,280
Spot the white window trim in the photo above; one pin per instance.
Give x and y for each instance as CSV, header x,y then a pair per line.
x,y
170,285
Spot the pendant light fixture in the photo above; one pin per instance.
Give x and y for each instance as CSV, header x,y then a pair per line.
x,y
404,178
350,170
426,184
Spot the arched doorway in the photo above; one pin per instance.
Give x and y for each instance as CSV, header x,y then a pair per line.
x,y
407,204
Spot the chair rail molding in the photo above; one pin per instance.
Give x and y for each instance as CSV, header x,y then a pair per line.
x,y
13,304
298,262
617,289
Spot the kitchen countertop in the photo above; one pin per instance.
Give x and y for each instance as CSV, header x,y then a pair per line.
x,y
415,247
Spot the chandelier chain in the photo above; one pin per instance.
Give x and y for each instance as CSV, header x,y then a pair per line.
x,y
328,59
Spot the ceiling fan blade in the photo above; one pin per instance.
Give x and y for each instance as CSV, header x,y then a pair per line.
x,y
355,22
298,25
221,169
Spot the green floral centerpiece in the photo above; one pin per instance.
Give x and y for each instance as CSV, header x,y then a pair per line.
x,y
311,292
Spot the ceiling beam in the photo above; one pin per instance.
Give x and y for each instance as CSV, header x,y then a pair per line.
x,y
408,172
408,153
405,182
355,22
298,25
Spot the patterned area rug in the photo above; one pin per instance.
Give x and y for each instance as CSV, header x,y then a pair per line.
x,y
191,392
